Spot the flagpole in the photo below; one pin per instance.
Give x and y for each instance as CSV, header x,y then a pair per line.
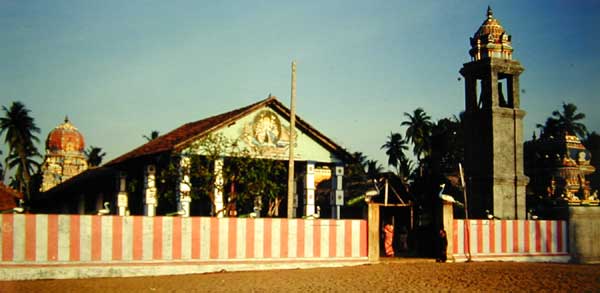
x,y
290,197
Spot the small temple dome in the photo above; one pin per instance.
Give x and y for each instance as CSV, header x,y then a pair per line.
x,y
491,40
65,137
490,26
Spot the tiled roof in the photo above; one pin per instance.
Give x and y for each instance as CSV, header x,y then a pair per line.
x,y
184,135
8,197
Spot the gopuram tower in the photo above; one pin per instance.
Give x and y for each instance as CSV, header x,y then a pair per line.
x,y
493,125
64,155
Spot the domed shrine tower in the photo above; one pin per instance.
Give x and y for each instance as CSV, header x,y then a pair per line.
x,y
493,125
64,155
558,167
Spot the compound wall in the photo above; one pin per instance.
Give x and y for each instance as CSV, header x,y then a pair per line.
x,y
514,240
79,246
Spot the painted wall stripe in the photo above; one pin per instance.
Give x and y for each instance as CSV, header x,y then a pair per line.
x,y
64,225
276,237
41,236
363,238
52,237
259,237
30,237
206,238
96,239
167,237
267,244
293,238
148,238
240,246
317,226
177,230
186,238
333,231
308,238
157,240
196,230
19,238
117,238
74,238
107,238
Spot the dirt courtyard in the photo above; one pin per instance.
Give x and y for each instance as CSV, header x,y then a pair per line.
x,y
388,276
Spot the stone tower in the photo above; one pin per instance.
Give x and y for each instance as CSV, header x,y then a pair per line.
x,y
493,125
64,155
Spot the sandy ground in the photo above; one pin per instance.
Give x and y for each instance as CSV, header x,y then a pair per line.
x,y
388,276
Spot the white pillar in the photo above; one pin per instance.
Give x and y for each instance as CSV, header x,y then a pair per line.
x,y
185,187
150,191
337,192
122,198
218,191
309,189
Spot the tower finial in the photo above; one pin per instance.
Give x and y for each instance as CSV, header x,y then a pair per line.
x,y
490,13
66,118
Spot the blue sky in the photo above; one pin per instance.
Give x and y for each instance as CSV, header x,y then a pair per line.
x,y
120,69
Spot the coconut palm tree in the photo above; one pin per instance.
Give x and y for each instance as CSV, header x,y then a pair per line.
x,y
19,130
373,169
153,135
395,147
565,122
94,156
418,132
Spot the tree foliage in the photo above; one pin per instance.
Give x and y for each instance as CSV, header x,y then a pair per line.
x,y
395,147
418,132
248,180
153,135
94,156
565,122
19,129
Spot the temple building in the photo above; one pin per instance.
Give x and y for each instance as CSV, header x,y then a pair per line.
x,y
558,167
161,177
64,155
493,125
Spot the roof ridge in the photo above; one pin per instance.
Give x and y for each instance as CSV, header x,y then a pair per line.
x,y
188,131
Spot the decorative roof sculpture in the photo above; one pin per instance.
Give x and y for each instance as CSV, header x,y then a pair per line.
x,y
491,40
65,138
558,167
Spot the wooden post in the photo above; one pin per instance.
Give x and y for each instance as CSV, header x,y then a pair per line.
x,y
373,232
290,197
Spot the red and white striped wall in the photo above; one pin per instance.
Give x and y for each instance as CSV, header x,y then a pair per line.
x,y
517,240
86,240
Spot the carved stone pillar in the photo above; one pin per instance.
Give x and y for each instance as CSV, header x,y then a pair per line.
x,y
218,190
185,187
309,189
337,192
122,198
150,191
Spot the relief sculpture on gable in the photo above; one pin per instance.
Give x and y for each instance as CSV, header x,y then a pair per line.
x,y
267,137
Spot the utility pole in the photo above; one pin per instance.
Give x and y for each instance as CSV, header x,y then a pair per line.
x,y
290,197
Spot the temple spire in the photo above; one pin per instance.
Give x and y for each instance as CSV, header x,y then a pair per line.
x,y
490,13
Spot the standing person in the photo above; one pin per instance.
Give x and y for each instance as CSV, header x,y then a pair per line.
x,y
442,246
403,239
388,230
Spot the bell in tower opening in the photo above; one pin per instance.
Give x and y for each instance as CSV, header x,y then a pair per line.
x,y
494,125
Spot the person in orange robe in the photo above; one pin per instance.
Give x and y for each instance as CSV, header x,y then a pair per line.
x,y
388,230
